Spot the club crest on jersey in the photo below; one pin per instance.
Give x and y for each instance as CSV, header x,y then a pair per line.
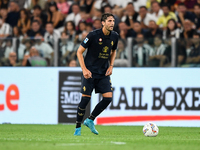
x,y
100,41
105,49
112,43
86,40
84,88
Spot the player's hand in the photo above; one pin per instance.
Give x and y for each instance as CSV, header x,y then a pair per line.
x,y
109,71
87,74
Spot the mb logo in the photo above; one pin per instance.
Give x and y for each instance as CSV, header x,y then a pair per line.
x,y
69,96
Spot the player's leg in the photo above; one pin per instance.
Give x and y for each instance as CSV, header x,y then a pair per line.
x,y
101,106
103,86
86,90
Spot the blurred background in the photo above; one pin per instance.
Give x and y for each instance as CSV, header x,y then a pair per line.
x,y
153,33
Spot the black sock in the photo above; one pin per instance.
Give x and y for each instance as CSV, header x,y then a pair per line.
x,y
101,106
92,117
78,124
81,109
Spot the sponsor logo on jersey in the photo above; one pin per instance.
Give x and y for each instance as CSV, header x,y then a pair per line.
x,y
86,40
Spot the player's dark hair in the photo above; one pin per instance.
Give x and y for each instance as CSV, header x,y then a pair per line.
x,y
105,16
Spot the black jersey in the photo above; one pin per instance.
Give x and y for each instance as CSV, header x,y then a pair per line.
x,y
99,47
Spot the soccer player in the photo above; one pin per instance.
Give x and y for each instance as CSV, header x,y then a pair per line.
x,y
97,67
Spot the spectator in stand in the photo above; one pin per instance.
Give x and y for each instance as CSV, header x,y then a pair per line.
x,y
75,15
8,48
97,14
141,52
162,21
4,13
26,49
14,15
99,4
17,33
72,63
181,51
157,12
11,60
85,16
121,59
34,3
138,4
122,52
130,15
170,4
144,17
183,14
188,3
88,5
172,30
24,23
55,16
35,60
149,3
118,6
188,31
161,54
4,4
44,49
64,6
197,16
97,24
69,31
51,34
20,3
89,27
35,28
194,52
124,32
81,30
69,35
137,29
2,50
5,29
37,12
153,31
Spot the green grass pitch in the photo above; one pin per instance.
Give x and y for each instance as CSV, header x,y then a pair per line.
x,y
60,137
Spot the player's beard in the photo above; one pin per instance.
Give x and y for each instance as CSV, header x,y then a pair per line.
x,y
108,28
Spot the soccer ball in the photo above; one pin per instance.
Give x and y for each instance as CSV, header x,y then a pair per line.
x,y
150,129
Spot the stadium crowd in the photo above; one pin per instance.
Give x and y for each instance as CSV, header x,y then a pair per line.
x,y
32,31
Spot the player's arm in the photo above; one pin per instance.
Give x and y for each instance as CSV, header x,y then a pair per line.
x,y
112,59
86,73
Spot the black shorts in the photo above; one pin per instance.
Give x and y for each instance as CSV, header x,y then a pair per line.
x,y
101,85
